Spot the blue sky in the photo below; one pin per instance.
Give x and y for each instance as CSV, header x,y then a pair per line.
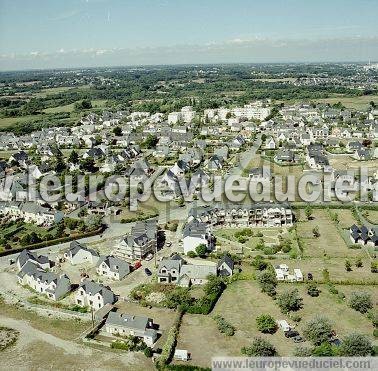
x,y
71,33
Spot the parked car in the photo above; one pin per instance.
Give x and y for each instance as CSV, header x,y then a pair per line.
x,y
149,257
291,333
298,339
169,244
147,271
137,265
309,276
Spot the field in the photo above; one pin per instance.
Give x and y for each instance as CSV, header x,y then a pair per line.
x,y
40,337
347,162
8,121
330,242
270,236
197,332
361,102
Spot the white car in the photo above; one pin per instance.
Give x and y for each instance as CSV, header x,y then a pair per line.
x,y
149,257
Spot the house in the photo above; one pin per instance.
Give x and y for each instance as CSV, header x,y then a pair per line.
x,y
80,254
362,154
47,283
94,295
225,266
196,233
20,158
196,274
242,216
141,241
284,155
214,163
28,256
122,324
260,174
270,143
354,146
364,235
112,267
176,270
169,269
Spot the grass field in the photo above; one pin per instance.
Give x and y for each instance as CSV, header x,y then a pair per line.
x,y
242,302
351,102
8,121
330,242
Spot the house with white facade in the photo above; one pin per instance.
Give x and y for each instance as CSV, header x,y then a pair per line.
x,y
94,295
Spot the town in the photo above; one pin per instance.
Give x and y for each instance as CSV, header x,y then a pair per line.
x,y
181,281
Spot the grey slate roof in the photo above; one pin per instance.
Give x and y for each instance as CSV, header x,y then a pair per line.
x,y
94,288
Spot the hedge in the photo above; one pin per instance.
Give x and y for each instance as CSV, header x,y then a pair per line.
x,y
170,344
53,242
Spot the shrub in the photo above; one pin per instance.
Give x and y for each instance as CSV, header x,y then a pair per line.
x,y
148,352
223,326
312,290
348,265
259,348
356,345
359,263
302,352
192,254
361,301
266,324
324,350
374,267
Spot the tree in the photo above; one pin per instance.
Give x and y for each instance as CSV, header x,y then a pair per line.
x,y
60,165
356,345
117,131
318,330
361,301
289,301
150,141
148,352
266,324
348,265
312,290
259,263
74,157
259,348
201,250
84,104
268,282
214,285
308,212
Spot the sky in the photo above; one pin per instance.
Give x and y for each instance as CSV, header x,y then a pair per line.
x,y
90,33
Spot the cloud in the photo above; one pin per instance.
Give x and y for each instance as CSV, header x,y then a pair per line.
x,y
237,50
